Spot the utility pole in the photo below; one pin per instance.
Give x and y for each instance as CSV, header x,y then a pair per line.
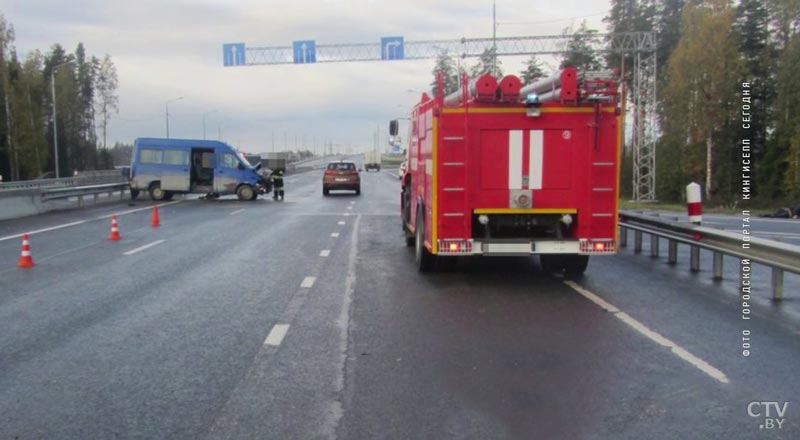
x,y
273,141
55,118
494,38
204,124
166,106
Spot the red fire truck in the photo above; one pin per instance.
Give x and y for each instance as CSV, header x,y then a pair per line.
x,y
501,169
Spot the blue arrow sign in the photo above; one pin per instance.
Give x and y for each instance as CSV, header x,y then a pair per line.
x,y
391,48
233,54
305,51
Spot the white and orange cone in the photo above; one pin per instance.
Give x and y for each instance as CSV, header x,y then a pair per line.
x,y
114,235
25,259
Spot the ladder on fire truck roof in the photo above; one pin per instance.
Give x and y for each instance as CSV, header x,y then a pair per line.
x,y
641,45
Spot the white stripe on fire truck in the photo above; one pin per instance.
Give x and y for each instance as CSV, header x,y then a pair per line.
x,y
515,159
536,159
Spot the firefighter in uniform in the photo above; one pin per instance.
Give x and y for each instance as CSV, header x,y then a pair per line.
x,y
277,184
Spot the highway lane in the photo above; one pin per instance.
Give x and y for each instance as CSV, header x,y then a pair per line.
x,y
183,339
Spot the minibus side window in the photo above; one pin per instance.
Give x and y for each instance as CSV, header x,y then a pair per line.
x,y
150,156
176,157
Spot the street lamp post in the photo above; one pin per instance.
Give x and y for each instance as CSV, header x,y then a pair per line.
x,y
204,122
166,106
55,118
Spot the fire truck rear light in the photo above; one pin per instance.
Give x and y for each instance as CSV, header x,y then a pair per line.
x,y
455,247
597,247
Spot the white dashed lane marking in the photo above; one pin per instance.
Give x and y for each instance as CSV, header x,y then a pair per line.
x,y
147,246
238,211
341,223
276,335
308,282
325,253
654,336
335,234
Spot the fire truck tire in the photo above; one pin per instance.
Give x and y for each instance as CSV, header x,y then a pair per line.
x,y
426,262
569,265
575,265
446,264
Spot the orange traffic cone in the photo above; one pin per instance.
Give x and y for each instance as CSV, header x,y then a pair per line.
x,y
114,236
155,221
25,259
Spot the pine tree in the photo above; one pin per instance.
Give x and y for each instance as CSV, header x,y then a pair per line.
x,y
628,16
447,67
106,101
487,63
532,72
702,85
9,165
579,52
780,162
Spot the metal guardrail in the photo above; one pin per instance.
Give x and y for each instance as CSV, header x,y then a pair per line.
x,y
86,178
778,256
81,191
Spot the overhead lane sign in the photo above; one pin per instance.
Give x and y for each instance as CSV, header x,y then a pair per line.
x,y
305,51
233,54
391,48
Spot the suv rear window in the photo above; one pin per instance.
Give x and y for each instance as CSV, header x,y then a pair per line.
x,y
342,166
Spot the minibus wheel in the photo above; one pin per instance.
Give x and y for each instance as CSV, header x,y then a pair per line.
x,y
245,192
156,193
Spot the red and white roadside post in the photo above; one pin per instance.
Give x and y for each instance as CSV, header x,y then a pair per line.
x,y
694,203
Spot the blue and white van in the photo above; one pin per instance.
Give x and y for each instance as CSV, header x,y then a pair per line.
x,y
164,167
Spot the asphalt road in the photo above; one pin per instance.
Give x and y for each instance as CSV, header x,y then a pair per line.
x,y
306,319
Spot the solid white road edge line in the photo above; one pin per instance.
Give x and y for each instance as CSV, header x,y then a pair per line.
x,y
654,336
276,335
141,248
80,222
238,211
325,253
308,282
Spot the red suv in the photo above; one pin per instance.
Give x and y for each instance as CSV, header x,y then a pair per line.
x,y
341,175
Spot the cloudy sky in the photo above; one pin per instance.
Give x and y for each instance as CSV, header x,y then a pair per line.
x,y
167,49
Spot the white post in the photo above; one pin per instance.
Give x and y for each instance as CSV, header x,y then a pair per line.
x,y
694,203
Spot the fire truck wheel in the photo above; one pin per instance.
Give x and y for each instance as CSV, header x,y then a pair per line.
x,y
575,265
426,261
569,265
446,264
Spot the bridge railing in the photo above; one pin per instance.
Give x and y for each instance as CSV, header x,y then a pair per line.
x,y
779,257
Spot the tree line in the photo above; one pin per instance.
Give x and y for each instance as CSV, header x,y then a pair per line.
x,y
706,50
85,91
